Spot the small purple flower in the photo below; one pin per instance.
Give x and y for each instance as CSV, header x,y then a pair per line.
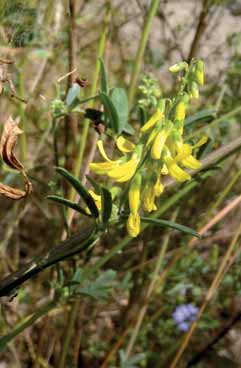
x,y
183,315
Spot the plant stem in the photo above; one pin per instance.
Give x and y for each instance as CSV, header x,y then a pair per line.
x,y
26,322
70,120
150,289
82,144
199,30
141,49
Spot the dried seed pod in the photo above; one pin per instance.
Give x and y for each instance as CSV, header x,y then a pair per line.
x,y
7,144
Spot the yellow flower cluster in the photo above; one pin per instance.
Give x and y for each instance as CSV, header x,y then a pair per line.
x,y
159,151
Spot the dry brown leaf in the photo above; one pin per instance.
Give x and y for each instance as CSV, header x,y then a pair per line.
x,y
15,193
7,144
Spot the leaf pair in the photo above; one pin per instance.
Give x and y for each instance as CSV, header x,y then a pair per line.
x,y
106,200
11,131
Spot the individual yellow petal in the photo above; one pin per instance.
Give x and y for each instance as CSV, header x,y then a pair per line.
x,y
133,225
102,168
124,145
158,144
102,151
175,171
191,163
134,194
152,121
201,141
125,171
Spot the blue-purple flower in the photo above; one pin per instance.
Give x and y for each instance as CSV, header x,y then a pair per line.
x,y
184,315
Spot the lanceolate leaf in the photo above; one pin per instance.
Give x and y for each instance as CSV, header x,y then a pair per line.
x,y
68,203
104,78
81,190
120,101
110,111
171,224
106,204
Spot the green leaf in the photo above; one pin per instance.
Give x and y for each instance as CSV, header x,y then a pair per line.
x,y
128,129
171,224
208,114
83,192
101,287
106,204
68,203
73,93
120,101
110,111
104,78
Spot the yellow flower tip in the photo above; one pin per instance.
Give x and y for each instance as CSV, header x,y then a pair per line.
x,y
194,90
149,199
164,170
180,111
134,194
191,163
102,150
152,121
133,225
201,141
124,145
178,67
158,187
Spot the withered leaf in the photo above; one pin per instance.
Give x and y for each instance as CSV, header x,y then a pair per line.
x,y
7,144
15,193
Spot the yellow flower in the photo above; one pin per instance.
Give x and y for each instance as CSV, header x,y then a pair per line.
x,y
133,225
119,170
160,140
134,194
152,121
180,111
173,169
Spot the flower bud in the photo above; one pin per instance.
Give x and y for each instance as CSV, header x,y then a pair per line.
x,y
194,90
178,67
199,72
180,111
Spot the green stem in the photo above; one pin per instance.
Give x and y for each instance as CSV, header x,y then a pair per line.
x,y
141,49
151,288
86,123
25,323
